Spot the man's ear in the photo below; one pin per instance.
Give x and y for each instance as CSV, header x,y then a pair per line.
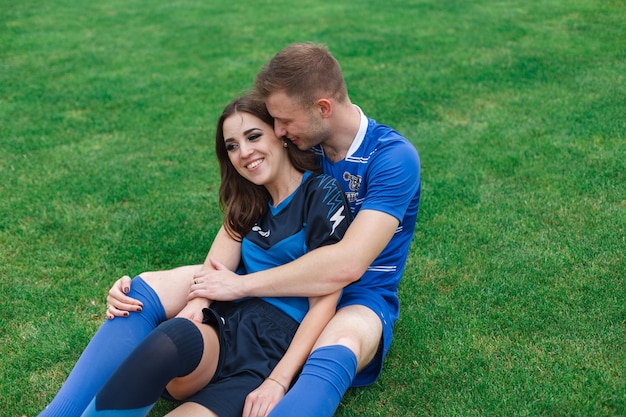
x,y
325,107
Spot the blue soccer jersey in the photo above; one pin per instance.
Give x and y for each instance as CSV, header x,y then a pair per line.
x,y
314,215
380,172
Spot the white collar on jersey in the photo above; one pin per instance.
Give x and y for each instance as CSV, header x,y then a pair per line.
x,y
360,135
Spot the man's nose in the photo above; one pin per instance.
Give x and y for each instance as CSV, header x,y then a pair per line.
x,y
280,130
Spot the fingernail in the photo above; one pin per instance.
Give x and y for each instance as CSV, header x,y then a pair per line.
x,y
138,309
126,314
126,289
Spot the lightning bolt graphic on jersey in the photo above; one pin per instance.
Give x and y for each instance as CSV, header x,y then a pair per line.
x,y
337,218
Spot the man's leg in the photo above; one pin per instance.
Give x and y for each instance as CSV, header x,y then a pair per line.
x,y
347,344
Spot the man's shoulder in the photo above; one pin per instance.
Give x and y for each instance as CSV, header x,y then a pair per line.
x,y
379,134
384,140
374,128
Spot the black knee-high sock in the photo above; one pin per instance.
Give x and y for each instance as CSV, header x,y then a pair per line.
x,y
172,350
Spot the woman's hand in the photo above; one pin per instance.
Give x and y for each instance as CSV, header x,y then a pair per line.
x,y
118,303
262,400
193,310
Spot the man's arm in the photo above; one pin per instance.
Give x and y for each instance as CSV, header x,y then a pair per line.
x,y
319,272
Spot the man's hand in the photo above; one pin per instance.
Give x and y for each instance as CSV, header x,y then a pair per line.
x,y
220,284
262,400
118,303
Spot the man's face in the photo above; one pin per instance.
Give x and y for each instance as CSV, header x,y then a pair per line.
x,y
303,126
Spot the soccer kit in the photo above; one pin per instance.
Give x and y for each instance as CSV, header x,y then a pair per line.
x,y
381,172
254,333
316,214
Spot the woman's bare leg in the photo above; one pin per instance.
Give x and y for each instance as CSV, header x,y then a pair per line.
x,y
191,410
172,286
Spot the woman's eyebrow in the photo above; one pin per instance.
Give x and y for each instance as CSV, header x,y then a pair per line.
x,y
251,130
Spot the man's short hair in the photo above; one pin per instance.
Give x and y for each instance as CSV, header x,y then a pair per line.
x,y
305,71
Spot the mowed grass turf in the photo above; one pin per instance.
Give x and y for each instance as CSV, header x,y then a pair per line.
x,y
513,298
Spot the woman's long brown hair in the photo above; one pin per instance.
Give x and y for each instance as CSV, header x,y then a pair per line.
x,y
242,201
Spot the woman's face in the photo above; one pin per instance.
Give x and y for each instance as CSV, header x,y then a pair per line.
x,y
254,150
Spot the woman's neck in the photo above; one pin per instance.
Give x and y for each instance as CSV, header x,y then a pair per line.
x,y
288,184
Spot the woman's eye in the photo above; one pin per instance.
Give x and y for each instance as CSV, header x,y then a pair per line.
x,y
230,147
254,136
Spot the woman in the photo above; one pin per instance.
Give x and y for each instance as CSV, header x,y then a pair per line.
x,y
244,355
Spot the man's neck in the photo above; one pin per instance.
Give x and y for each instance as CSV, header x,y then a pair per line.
x,y
345,126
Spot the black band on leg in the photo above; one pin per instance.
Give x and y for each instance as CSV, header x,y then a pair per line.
x,y
173,349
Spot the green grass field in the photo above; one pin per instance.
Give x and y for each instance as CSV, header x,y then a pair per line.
x,y
514,295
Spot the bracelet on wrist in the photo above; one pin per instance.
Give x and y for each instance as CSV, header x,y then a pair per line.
x,y
279,383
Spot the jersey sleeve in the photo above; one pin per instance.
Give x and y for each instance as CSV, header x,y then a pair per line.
x,y
328,214
393,179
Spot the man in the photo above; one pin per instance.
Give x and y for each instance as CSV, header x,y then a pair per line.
x,y
305,92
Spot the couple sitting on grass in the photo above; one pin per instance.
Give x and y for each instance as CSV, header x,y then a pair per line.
x,y
297,298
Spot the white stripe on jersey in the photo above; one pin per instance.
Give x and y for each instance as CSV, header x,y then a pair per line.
x,y
382,268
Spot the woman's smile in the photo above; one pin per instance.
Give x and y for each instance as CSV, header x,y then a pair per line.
x,y
255,163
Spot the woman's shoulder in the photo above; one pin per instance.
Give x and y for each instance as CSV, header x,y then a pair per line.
x,y
320,181
323,189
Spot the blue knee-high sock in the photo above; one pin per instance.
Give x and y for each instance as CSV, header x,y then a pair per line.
x,y
173,349
107,349
325,377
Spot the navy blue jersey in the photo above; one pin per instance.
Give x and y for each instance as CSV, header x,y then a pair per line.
x,y
314,215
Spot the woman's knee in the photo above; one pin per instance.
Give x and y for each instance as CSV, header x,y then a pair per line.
x,y
171,286
183,387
